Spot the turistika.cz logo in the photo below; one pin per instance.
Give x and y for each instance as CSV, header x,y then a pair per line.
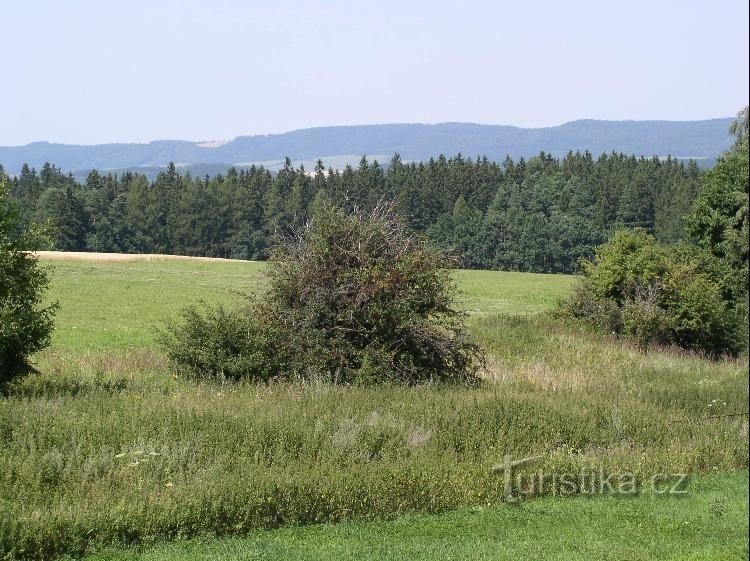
x,y
519,485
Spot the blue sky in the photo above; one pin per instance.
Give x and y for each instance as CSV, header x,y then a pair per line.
x,y
104,71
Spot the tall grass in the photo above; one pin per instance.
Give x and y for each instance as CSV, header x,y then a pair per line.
x,y
114,448
106,445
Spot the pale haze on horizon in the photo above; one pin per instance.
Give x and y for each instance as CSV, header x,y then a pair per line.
x,y
86,72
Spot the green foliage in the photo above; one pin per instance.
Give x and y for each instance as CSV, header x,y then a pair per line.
x,y
659,294
719,219
740,127
543,215
64,211
354,289
25,321
351,297
221,344
643,319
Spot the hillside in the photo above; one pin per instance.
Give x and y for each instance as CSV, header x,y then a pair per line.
x,y
700,140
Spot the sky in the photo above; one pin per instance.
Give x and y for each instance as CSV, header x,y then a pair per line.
x,y
86,72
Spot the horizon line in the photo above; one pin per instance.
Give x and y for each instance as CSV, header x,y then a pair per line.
x,y
223,142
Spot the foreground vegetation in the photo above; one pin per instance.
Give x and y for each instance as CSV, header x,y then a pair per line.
x,y
709,523
106,445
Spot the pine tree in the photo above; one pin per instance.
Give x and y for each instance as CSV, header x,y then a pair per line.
x,y
63,210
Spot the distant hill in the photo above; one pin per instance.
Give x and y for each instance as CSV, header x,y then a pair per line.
x,y
699,140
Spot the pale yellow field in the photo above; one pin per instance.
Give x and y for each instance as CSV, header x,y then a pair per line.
x,y
121,257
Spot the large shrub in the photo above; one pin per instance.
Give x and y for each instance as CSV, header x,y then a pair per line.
x,y
221,343
25,321
352,298
660,294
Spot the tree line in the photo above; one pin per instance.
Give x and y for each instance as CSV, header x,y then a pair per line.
x,y
542,214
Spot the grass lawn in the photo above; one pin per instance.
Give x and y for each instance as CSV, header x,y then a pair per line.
x,y
500,292
110,305
709,523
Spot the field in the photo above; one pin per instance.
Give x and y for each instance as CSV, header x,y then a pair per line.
x,y
111,304
107,446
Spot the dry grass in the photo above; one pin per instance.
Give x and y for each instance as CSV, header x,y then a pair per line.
x,y
538,374
121,257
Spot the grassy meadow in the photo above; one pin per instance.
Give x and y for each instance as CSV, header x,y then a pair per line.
x,y
112,305
107,446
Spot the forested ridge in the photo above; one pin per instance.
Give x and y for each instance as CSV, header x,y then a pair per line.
x,y
338,145
542,214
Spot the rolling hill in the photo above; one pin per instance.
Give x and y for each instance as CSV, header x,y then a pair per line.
x,y
699,140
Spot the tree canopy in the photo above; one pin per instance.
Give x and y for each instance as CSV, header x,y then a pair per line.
x,y
543,214
25,319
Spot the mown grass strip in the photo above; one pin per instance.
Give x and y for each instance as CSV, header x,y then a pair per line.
x,y
709,523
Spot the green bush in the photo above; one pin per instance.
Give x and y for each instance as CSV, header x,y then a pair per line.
x,y
603,313
25,321
643,319
219,343
652,293
353,297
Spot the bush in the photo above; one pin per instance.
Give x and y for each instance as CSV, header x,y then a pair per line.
x,y
642,318
353,297
220,343
656,294
603,313
25,322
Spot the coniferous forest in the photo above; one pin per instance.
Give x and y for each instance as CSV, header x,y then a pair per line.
x,y
542,214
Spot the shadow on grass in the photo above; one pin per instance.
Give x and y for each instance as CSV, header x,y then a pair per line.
x,y
27,382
